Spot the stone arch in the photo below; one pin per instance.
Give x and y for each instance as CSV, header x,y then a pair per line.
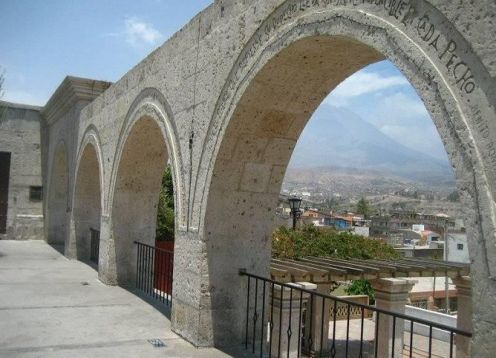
x,y
147,142
152,104
297,56
88,196
57,194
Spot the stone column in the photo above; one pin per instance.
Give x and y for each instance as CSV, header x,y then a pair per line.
x,y
286,310
464,317
391,294
70,249
107,269
317,321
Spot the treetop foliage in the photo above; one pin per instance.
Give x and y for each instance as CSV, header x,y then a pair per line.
x,y
361,287
313,241
363,207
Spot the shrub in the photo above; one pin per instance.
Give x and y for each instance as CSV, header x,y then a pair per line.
x,y
313,241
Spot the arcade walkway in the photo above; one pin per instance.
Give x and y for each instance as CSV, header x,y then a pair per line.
x,y
54,307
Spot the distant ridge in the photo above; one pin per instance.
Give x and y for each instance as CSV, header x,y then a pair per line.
x,y
337,137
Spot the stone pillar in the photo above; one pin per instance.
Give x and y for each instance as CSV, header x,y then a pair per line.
x,y
391,294
107,269
464,317
317,321
286,314
192,314
70,249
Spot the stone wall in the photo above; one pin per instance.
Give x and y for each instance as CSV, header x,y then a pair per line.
x,y
20,135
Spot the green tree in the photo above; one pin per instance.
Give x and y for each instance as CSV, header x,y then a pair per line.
x,y
312,241
361,287
363,207
165,212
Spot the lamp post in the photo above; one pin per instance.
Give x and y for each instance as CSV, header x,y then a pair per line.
x,y
294,204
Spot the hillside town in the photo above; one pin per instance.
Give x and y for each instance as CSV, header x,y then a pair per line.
x,y
405,230
412,234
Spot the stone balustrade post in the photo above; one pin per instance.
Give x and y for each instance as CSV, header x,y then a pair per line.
x,y
317,321
287,306
391,294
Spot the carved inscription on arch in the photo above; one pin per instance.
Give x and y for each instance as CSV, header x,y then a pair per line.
x,y
405,11
448,53
440,40
436,37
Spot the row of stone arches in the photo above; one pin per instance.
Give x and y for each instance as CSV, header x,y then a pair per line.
x,y
297,55
129,197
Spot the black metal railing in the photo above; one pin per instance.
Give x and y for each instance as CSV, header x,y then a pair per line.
x,y
286,320
154,268
94,245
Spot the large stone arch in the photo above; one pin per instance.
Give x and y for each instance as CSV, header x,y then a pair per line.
x,y
147,142
88,195
300,53
57,194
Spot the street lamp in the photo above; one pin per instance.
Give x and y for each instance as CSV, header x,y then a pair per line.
x,y
294,205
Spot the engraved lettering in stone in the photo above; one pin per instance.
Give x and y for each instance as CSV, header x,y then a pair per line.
x,y
466,81
399,10
451,47
451,60
396,8
425,28
433,43
405,11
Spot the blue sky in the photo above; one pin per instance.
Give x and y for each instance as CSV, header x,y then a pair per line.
x,y
381,95
43,41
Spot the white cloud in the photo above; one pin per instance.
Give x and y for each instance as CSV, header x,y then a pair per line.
x,y
404,117
422,138
401,106
363,83
138,32
388,101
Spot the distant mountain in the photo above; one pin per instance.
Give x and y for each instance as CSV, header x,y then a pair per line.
x,y
337,137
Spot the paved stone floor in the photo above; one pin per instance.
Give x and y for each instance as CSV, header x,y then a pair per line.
x,y
54,307
420,343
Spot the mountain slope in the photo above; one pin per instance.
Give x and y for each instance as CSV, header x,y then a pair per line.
x,y
336,137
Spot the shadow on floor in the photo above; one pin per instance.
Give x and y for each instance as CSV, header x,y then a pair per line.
x,y
159,305
58,247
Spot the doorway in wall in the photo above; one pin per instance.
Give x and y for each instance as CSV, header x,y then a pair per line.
x,y
4,189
